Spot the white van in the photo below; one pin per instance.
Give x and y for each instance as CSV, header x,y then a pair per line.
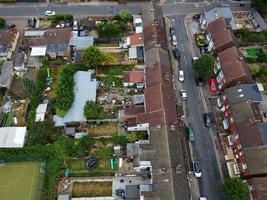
x,y
75,25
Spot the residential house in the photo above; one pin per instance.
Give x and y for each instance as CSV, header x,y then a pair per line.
x,y
51,42
209,16
136,46
231,69
8,43
220,36
12,137
240,103
6,75
134,78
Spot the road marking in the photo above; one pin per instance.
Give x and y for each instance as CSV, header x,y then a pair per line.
x,y
180,35
182,47
185,60
36,9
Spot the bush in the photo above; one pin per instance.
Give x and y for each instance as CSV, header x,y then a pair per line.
x,y
2,23
261,57
235,188
57,18
109,30
64,90
246,36
93,110
131,137
117,139
204,66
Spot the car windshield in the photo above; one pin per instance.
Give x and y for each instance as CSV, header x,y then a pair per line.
x,y
197,167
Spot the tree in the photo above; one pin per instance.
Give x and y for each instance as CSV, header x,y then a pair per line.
x,y
260,5
42,132
2,23
108,30
93,57
131,137
235,188
92,110
204,66
119,139
30,86
126,15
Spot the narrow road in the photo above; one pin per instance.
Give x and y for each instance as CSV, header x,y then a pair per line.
x,y
32,10
204,149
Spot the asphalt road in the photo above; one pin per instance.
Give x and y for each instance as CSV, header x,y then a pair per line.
x,y
204,150
78,10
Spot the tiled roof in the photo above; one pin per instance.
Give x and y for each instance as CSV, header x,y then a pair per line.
x,y
137,39
256,163
221,32
50,36
249,134
233,65
260,185
7,37
133,77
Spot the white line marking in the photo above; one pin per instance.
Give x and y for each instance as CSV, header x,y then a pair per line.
x,y
185,60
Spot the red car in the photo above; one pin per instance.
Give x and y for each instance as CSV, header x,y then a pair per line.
x,y
212,85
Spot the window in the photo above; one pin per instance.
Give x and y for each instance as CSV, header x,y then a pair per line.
x,y
220,77
239,147
226,123
244,166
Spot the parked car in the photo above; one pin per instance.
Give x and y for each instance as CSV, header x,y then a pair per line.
x,y
50,13
194,58
75,25
197,169
32,22
208,119
174,40
60,25
242,4
181,75
203,198
191,134
199,81
183,95
176,53
10,25
212,85
172,31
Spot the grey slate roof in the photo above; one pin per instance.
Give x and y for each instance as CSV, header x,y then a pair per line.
x,y
57,48
132,192
83,42
217,12
6,74
258,18
243,93
19,59
132,149
263,131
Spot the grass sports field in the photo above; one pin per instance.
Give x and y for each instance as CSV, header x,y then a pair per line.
x,y
21,180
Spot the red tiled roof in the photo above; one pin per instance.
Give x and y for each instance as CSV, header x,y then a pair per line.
x,y
233,65
133,77
137,39
249,134
157,74
260,185
221,32
134,109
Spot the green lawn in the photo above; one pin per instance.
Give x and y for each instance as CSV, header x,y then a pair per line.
x,y
21,181
252,52
115,70
9,119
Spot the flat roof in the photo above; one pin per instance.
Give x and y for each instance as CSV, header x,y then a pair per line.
x,y
84,90
12,137
38,51
6,74
34,33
